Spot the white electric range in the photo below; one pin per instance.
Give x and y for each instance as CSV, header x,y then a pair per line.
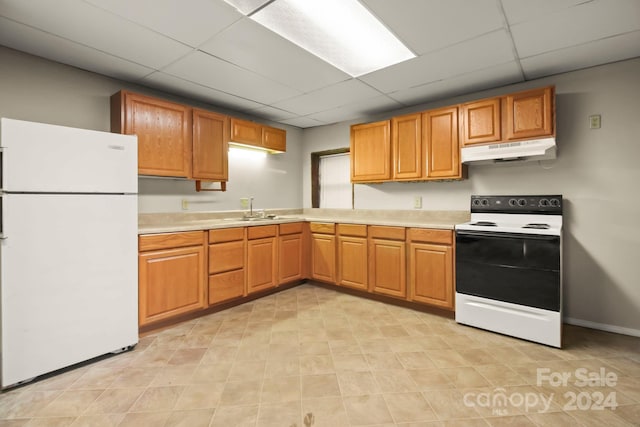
x,y
508,267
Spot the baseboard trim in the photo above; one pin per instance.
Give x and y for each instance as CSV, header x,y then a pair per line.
x,y
603,326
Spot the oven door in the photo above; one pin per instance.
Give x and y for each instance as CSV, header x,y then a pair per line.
x,y
517,268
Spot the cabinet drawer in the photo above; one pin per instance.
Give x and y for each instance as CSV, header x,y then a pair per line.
x,y
384,232
293,228
150,242
225,286
226,256
322,227
357,230
431,235
226,235
261,231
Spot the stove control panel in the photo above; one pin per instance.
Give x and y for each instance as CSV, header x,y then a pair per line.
x,y
551,205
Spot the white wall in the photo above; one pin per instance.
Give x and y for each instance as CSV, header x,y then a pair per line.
x,y
32,88
597,171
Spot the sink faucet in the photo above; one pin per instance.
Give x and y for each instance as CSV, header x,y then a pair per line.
x,y
250,206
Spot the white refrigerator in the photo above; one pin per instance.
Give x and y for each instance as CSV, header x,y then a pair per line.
x,y
68,247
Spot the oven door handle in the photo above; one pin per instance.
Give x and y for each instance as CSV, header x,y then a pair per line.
x,y
547,237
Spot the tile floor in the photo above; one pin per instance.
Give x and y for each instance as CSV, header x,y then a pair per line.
x,y
310,356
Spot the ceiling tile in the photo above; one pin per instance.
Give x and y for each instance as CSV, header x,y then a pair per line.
x,y
302,122
588,21
191,23
204,69
586,55
426,26
85,24
329,97
182,87
271,113
518,11
476,54
36,42
356,110
251,46
475,81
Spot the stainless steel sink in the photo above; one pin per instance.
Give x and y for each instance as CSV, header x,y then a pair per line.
x,y
252,218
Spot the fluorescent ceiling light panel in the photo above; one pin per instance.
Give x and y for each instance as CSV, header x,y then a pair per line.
x,y
341,32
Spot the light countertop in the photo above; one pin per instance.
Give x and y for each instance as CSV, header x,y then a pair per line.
x,y
176,222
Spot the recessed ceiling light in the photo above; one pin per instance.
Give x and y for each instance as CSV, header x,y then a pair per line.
x,y
341,32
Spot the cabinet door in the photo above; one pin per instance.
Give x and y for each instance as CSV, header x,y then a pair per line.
x,y
352,262
530,114
387,268
164,135
441,136
323,257
371,152
408,151
274,138
290,258
245,132
481,122
261,264
171,282
431,274
210,146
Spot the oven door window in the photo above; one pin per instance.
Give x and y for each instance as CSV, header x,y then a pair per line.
x,y
517,268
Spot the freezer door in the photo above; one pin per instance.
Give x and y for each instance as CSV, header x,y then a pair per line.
x,y
39,157
69,281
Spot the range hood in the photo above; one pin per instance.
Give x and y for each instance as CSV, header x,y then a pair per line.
x,y
533,149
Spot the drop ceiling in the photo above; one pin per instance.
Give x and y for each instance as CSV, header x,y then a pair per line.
x,y
207,50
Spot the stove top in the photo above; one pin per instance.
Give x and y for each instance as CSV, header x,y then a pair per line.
x,y
515,214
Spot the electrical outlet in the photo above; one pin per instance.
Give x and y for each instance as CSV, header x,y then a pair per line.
x,y
594,121
417,202
244,202
185,204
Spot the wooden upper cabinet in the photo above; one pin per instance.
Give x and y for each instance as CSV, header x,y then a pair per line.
x,y
257,135
530,114
210,146
246,132
371,152
481,121
274,138
440,130
163,129
406,142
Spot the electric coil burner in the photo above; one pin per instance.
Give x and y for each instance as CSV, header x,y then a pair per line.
x,y
508,267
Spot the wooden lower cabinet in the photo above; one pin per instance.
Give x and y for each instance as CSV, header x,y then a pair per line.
x,y
290,253
352,262
226,264
431,267
387,261
171,280
262,258
226,286
323,257
352,256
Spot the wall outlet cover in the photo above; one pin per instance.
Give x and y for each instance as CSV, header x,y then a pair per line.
x,y
417,202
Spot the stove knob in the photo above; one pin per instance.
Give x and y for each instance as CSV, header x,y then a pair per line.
x,y
475,202
555,203
544,202
513,202
522,202
485,202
